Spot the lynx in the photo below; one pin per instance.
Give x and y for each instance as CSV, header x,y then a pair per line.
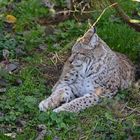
x,y
92,72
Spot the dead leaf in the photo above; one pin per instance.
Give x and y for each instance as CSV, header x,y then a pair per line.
x,y
48,3
10,19
1,114
12,135
18,82
20,52
2,90
5,53
56,138
11,67
42,132
3,82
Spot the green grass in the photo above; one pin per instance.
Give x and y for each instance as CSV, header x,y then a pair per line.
x,y
20,102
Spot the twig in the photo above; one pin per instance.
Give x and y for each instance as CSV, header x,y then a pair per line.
x,y
133,109
124,107
55,59
57,56
65,12
93,25
103,13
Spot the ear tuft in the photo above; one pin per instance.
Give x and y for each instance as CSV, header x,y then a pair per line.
x,y
94,29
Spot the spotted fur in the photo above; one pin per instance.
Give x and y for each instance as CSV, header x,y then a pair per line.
x,y
93,71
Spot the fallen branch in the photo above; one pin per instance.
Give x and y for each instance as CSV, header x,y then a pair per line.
x,y
125,17
61,16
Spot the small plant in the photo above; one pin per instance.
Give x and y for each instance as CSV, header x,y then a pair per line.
x,y
7,42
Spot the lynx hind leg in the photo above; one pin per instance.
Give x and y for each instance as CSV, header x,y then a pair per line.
x,y
59,96
84,102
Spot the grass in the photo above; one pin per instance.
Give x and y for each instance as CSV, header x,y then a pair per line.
x,y
19,104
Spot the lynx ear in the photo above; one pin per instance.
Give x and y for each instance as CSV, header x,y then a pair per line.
x,y
90,37
86,38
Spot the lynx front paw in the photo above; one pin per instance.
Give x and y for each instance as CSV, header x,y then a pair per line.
x,y
64,107
43,105
58,109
